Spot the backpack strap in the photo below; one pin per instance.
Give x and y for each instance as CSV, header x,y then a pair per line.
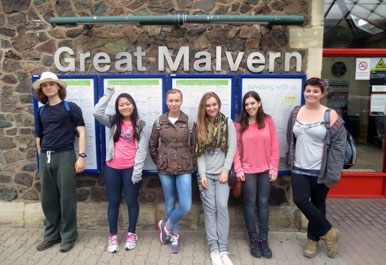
x,y
190,127
67,106
327,124
41,110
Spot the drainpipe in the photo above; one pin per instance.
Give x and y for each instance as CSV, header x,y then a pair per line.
x,y
178,20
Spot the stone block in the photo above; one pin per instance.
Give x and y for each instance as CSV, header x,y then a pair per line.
x,y
12,214
92,215
33,215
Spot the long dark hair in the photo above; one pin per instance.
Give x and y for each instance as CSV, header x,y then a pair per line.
x,y
134,118
260,115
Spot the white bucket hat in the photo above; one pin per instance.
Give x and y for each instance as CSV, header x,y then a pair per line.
x,y
48,77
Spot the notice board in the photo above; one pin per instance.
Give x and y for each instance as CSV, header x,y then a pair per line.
x,y
148,91
82,90
194,86
279,95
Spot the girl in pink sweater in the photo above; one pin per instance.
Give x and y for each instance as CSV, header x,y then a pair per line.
x,y
256,164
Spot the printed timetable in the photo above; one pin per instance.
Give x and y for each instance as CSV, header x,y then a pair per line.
x,y
193,87
148,92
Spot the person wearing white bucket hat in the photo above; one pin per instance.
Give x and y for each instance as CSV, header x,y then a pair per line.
x,y
58,165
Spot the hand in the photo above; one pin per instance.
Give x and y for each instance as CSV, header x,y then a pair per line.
x,y
111,88
272,177
223,177
240,178
204,182
79,165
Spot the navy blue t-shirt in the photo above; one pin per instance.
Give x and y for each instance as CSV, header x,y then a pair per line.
x,y
55,126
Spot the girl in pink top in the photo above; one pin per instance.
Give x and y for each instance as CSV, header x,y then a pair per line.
x,y
256,164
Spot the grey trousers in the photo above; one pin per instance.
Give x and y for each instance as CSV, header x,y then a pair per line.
x,y
215,204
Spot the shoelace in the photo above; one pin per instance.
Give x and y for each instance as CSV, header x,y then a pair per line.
x,y
263,243
174,240
253,243
131,237
113,240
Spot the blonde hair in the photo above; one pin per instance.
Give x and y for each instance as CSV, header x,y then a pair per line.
x,y
174,91
202,117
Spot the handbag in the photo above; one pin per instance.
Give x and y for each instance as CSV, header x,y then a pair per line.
x,y
235,185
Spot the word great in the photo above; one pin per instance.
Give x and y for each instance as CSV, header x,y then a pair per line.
x,y
66,61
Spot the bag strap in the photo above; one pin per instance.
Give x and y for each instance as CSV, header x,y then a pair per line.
x,y
190,127
327,124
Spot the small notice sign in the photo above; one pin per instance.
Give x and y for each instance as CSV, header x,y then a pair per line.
x,y
362,70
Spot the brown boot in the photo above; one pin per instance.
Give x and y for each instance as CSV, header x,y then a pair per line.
x,y
331,239
311,248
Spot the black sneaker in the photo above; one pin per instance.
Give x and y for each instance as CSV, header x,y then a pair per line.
x,y
267,253
254,248
47,244
67,246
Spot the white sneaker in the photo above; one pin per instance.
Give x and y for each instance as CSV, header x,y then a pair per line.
x,y
131,241
216,258
113,244
225,258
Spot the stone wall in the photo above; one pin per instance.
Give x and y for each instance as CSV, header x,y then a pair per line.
x,y
29,42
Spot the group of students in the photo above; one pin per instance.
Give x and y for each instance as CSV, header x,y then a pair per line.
x,y
178,147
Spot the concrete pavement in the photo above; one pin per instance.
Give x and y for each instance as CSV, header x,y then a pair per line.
x,y
362,223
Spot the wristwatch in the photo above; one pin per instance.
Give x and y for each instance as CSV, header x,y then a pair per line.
x,y
83,155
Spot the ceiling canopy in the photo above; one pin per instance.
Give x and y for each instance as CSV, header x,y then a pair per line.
x,y
356,24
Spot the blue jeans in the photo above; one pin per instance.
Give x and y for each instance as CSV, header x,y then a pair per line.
x,y
305,188
175,186
256,191
115,179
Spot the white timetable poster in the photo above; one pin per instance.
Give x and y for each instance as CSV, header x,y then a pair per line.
x,y
193,87
279,95
81,89
148,91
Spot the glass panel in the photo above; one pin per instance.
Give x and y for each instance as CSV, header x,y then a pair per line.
x,y
351,98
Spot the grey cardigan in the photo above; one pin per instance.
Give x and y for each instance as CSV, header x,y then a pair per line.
x,y
333,154
107,120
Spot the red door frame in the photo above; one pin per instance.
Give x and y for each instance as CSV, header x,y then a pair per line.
x,y
360,184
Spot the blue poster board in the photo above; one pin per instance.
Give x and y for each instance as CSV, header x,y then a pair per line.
x,y
82,90
279,94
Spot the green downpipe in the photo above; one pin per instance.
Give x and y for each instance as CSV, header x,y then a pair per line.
x,y
178,20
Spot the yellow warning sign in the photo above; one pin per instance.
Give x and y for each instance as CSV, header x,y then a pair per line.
x,y
381,64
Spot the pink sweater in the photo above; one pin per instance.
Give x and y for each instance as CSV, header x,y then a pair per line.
x,y
260,149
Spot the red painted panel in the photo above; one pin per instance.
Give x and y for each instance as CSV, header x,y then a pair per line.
x,y
354,52
364,186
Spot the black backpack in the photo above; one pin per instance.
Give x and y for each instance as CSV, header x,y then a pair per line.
x,y
350,157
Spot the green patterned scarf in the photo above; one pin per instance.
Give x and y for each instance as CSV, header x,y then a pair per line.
x,y
217,136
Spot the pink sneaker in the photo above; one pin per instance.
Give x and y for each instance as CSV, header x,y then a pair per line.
x,y
131,240
113,246
164,234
